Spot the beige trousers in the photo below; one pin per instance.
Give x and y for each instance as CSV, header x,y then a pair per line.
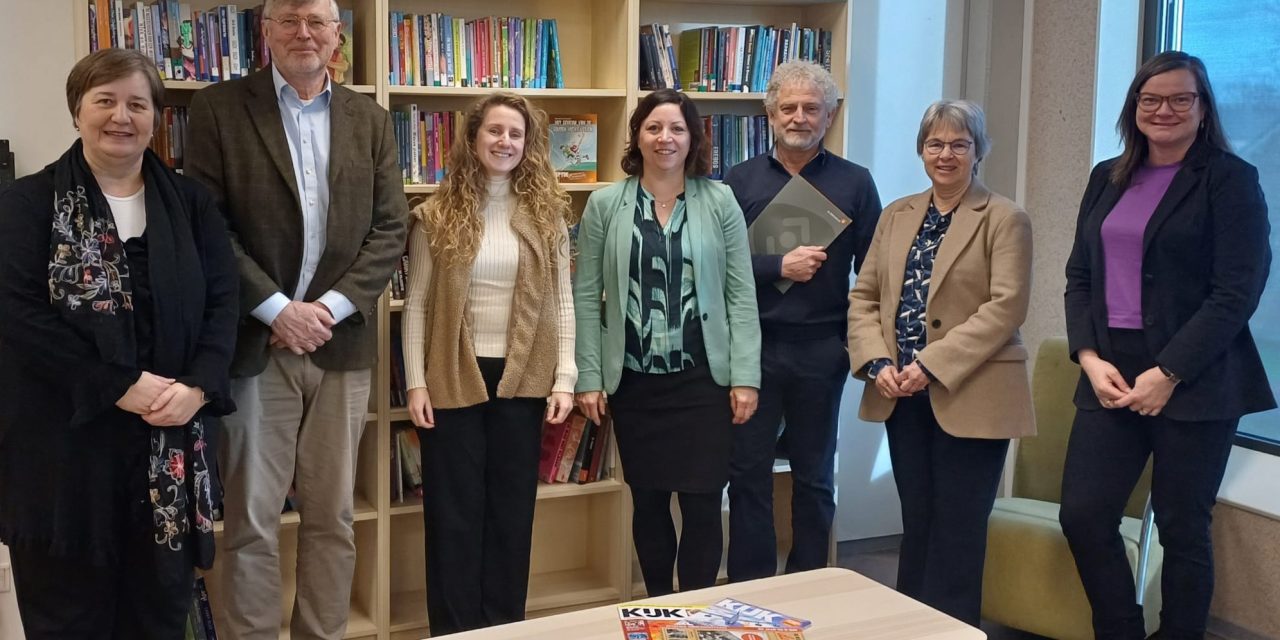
x,y
295,424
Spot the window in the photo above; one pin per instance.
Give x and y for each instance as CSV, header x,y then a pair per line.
x,y
1237,41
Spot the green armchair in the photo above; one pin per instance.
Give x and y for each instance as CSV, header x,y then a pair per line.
x,y
1030,582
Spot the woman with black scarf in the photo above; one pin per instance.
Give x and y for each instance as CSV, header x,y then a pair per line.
x,y
118,313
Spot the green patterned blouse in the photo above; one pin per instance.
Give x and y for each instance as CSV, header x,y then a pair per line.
x,y
664,330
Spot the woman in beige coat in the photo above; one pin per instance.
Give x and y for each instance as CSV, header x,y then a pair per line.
x,y
933,328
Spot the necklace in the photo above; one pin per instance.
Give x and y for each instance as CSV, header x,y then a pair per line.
x,y
665,205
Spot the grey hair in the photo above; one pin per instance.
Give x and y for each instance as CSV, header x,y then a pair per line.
x,y
269,7
801,72
960,115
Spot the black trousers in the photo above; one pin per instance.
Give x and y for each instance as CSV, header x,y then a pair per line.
x,y
1105,456
696,557
480,471
802,382
947,486
62,598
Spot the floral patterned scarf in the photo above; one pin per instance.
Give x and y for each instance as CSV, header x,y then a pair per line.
x,y
89,284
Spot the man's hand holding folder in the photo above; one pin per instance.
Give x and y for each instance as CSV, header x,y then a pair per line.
x,y
798,224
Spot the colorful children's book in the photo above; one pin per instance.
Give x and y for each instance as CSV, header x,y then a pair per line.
x,y
573,147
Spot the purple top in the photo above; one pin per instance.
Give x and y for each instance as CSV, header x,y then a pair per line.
x,y
1122,243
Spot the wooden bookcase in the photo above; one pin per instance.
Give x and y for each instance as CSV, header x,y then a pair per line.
x,y
582,552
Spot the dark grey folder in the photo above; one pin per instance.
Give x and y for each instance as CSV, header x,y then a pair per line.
x,y
798,216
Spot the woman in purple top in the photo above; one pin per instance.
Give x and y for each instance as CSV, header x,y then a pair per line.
x,y
1171,255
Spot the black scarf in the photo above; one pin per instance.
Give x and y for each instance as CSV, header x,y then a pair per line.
x,y
89,284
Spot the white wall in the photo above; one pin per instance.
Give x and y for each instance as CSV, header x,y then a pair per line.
x,y
896,49
36,52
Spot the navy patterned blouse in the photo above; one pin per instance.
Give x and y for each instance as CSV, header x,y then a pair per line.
x,y
910,326
664,330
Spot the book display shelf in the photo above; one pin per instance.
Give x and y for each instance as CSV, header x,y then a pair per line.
x,y
582,552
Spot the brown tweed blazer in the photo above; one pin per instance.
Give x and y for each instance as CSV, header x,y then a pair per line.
x,y
236,145
978,298
453,378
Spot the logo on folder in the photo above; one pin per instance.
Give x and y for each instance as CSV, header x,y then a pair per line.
x,y
798,216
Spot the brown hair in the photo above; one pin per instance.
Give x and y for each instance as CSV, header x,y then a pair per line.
x,y
698,162
1135,142
109,65
452,215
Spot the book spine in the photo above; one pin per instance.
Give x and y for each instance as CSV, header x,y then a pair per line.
x,y
570,449
93,27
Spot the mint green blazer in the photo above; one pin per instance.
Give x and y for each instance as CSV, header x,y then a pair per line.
x,y
723,281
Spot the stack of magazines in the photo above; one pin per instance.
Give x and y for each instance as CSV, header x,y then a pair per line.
x,y
727,619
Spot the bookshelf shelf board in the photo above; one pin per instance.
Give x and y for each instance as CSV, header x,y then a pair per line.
x,y
363,511
545,492
370,417
408,610
569,587
471,92
571,490
568,186
361,625
196,85
395,305
399,414
724,96
773,3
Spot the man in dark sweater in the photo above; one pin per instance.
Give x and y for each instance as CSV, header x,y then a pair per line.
x,y
804,362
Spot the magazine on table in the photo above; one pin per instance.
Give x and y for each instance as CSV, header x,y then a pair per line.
x,y
727,619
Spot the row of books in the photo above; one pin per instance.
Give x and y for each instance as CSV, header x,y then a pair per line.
x,y
399,394
576,450
400,279
220,43
735,59
438,50
169,139
406,463
200,619
735,139
424,137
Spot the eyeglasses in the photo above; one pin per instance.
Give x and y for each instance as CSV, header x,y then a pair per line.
x,y
1179,102
958,147
291,24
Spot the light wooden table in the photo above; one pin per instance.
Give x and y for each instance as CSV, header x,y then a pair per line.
x,y
842,605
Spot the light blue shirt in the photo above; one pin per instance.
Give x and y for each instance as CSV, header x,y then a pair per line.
x,y
306,127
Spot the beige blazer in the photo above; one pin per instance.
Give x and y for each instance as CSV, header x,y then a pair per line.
x,y
978,298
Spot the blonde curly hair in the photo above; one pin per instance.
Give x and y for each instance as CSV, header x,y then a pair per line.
x,y
452,215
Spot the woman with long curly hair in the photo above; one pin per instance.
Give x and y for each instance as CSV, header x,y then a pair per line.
x,y
488,330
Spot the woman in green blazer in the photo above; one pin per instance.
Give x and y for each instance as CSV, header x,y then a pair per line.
x,y
667,329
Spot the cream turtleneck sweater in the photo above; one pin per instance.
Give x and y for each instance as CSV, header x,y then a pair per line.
x,y
493,278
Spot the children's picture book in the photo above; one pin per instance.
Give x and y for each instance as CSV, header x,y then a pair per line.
x,y
727,619
340,62
573,147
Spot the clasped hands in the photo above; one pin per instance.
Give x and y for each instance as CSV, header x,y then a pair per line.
x,y
161,401
1147,396
302,327
895,383
559,404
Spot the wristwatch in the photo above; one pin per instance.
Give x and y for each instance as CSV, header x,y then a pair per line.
x,y
1172,377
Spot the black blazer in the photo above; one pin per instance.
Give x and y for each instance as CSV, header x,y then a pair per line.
x,y
1205,260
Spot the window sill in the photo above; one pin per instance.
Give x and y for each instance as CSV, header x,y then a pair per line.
x,y
1251,478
